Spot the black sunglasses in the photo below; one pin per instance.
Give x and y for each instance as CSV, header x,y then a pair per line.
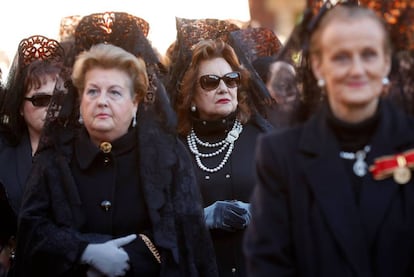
x,y
39,100
211,81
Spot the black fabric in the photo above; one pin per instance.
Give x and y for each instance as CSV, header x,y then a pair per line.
x,y
51,244
352,136
304,218
235,181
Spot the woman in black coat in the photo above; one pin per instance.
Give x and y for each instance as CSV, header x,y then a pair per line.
x,y
220,128
117,196
24,102
335,197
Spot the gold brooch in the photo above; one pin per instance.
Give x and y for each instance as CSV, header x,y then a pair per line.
x,y
106,147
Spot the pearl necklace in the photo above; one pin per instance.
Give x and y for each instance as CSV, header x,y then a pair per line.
x,y
232,136
360,166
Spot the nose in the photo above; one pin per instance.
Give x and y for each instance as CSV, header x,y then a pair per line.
x,y
222,87
357,66
103,99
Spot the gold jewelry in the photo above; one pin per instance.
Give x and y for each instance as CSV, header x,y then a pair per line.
x,y
106,147
151,247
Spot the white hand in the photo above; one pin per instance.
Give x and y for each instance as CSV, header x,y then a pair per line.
x,y
109,258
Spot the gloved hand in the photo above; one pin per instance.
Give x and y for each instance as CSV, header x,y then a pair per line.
x,y
108,258
226,215
246,206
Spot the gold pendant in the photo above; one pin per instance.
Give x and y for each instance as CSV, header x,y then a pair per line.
x,y
402,175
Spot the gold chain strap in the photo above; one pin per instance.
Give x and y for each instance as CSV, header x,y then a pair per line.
x,y
151,247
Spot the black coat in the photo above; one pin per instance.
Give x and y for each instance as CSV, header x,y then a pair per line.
x,y
235,181
16,163
305,218
49,241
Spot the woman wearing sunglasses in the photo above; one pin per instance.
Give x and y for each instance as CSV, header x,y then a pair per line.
x,y
220,130
29,89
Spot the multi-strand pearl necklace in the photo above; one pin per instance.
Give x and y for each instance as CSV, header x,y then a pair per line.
x,y
232,136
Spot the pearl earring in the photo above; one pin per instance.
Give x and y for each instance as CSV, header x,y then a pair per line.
x,y
321,83
80,119
134,120
193,108
385,81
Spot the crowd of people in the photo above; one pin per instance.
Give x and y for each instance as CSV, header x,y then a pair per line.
x,y
230,155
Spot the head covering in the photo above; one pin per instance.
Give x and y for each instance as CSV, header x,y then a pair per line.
x,y
128,32
399,15
117,28
68,26
248,44
251,44
189,33
296,52
32,49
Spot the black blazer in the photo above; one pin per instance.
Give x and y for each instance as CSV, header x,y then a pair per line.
x,y
305,218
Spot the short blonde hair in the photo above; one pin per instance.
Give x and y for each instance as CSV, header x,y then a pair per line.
x,y
109,56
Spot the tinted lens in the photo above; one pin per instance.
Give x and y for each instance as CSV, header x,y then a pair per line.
x,y
232,79
209,82
40,100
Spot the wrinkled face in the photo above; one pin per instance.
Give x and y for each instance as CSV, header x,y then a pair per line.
x,y
353,63
219,102
34,112
107,107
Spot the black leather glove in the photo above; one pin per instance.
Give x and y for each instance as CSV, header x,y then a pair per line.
x,y
226,215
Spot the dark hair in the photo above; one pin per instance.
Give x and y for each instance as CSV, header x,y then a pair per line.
x,y
206,50
18,84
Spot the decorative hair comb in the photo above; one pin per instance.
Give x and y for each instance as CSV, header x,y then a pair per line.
x,y
39,48
108,27
399,14
191,31
257,42
68,26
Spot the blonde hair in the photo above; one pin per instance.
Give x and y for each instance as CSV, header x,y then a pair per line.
x,y
109,56
346,13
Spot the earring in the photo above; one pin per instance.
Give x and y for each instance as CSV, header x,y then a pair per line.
x,y
80,119
385,81
134,120
321,83
193,108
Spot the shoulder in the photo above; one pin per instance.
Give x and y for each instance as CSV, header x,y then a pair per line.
x,y
282,137
261,123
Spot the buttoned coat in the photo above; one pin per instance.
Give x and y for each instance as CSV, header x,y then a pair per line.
x,y
305,220
49,243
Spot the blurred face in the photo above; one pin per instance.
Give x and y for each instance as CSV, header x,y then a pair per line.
x,y
107,107
353,63
35,105
282,84
218,102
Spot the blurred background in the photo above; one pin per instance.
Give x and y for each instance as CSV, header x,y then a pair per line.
x,y
24,18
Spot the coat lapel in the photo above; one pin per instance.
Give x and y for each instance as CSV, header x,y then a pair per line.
x,y
376,196
329,181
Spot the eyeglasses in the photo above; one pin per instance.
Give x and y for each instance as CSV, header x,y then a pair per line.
x,y
211,81
39,100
